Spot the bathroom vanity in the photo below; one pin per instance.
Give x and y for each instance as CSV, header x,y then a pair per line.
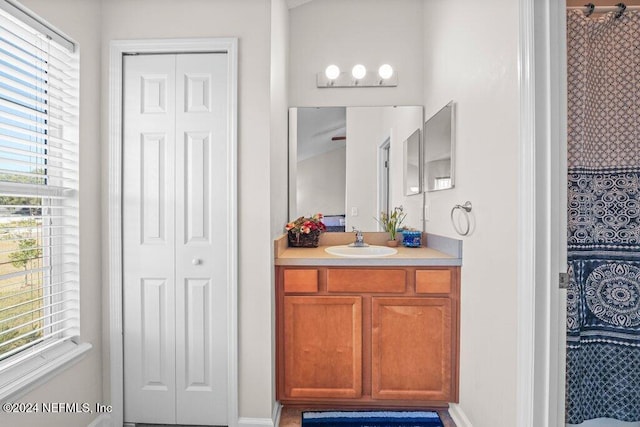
x,y
367,332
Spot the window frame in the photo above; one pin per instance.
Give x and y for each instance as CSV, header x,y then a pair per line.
x,y
32,366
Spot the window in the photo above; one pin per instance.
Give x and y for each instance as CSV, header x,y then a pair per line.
x,y
39,284
442,183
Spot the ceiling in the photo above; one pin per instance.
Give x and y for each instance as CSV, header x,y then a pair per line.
x,y
317,127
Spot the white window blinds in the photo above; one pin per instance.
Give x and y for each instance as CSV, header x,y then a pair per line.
x,y
39,290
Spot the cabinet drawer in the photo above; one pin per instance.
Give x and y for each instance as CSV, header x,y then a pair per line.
x,y
366,280
301,281
433,281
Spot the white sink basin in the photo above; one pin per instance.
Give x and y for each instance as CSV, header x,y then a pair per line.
x,y
360,252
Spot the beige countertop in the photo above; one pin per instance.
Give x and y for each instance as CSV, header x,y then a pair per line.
x,y
423,256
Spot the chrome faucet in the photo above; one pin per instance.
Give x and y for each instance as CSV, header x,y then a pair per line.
x,y
359,243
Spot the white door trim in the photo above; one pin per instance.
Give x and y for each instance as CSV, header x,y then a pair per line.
x,y
541,213
383,170
526,215
114,230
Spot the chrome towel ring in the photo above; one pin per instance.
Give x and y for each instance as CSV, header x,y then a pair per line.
x,y
465,209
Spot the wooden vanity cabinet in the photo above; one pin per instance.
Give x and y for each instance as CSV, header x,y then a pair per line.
x,y
323,338
367,336
411,348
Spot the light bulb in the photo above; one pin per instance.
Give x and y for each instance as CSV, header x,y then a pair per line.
x,y
385,71
332,72
359,71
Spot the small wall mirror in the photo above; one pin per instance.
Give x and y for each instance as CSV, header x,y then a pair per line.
x,y
439,141
412,164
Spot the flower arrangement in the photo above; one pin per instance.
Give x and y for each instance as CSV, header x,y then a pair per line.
x,y
305,232
391,222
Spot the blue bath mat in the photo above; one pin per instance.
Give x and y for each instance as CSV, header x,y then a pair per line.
x,y
371,419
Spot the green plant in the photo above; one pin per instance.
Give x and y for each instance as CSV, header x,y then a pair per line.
x,y
27,252
391,222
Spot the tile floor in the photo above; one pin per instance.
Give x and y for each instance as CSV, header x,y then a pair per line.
x,y
291,417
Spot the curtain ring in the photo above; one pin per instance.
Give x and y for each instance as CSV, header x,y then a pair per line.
x,y
591,7
621,8
465,208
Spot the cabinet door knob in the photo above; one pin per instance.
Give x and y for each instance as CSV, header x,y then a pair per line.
x,y
196,261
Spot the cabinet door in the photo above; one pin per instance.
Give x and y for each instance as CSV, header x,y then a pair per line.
x,y
322,347
411,349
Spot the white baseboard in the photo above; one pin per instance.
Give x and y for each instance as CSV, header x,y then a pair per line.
x,y
262,422
103,421
100,421
458,415
275,415
255,422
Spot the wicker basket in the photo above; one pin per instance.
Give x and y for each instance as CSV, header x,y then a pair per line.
x,y
301,240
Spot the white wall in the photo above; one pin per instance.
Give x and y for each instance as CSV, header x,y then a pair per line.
x,y
94,24
320,183
365,134
80,19
279,132
279,113
346,32
402,122
448,49
471,57
250,21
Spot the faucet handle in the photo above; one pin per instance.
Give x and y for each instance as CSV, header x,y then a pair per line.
x,y
359,237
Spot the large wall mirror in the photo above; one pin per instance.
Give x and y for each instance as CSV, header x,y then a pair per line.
x,y
351,163
439,149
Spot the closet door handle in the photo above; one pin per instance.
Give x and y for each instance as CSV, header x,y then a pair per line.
x,y
196,261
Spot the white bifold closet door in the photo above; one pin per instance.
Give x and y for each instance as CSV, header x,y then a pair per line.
x,y
175,238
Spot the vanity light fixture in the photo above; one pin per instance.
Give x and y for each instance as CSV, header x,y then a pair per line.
x,y
385,71
359,72
332,72
332,77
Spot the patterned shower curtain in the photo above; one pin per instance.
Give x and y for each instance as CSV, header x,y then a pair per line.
x,y
603,299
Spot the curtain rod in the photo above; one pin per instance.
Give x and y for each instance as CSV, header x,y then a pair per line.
x,y
602,9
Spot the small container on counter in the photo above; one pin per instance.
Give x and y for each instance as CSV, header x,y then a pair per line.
x,y
411,239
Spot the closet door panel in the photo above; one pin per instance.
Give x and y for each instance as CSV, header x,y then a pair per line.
x,y
149,239
201,239
176,199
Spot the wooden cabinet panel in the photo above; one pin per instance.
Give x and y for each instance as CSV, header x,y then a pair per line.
x,y
366,280
433,281
411,348
392,342
301,281
323,347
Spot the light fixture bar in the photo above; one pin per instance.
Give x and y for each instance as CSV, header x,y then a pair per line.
x,y
345,79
